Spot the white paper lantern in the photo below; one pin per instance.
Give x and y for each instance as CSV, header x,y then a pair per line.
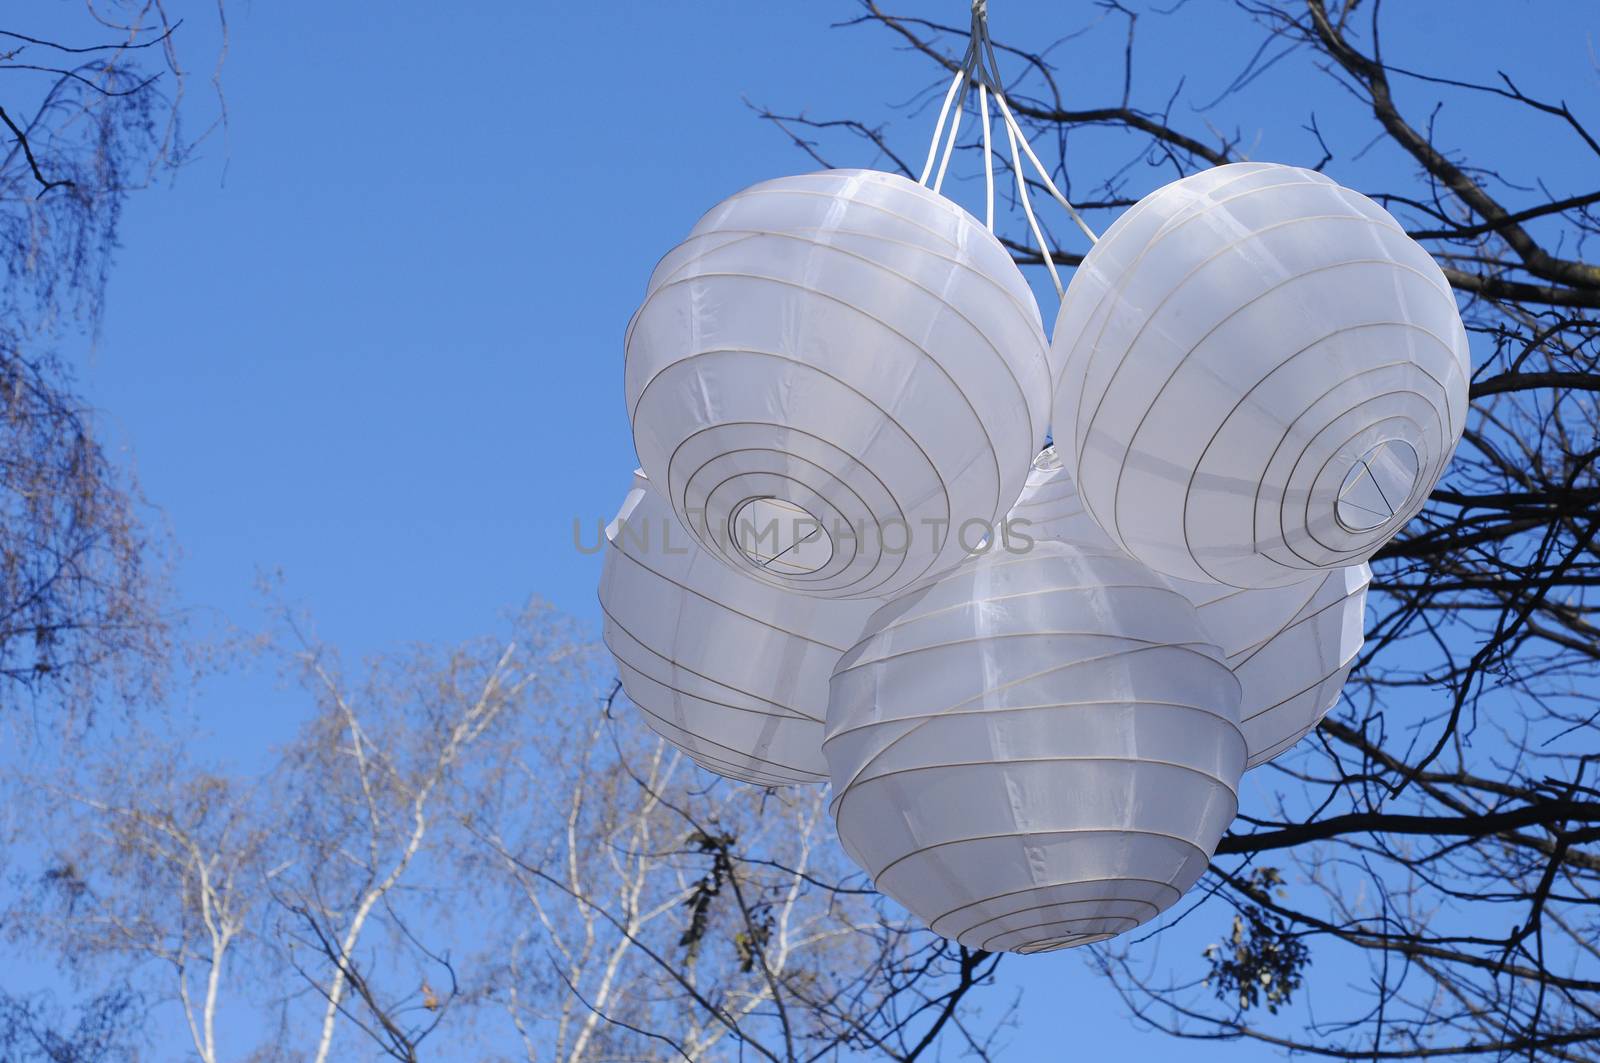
x,y
1290,647
847,361
1263,376
1290,679
1036,750
730,670
1050,508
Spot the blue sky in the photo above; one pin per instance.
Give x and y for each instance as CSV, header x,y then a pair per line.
x,y
373,339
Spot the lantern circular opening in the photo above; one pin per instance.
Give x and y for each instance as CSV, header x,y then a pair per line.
x,y
1377,485
776,535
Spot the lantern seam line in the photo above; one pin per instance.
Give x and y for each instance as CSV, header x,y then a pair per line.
x,y
722,605
1029,309
844,565
1036,834
766,189
784,711
1204,203
695,738
742,765
1307,539
1416,497
1264,293
1062,885
705,523
1064,941
820,577
1192,347
1289,429
689,742
987,710
907,619
1297,620
913,724
863,776
871,567
944,579
944,490
1306,690
1284,744
1122,466
1189,213
922,351
1142,645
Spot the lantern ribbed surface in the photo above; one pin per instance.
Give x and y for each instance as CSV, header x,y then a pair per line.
x,y
1036,750
732,671
848,353
1049,507
1263,376
1290,647
1293,677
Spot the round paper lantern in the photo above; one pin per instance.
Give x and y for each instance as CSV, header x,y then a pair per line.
x,y
1049,508
1263,376
1291,678
1036,750
1290,647
832,377
731,671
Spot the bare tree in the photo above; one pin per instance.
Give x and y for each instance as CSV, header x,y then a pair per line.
x,y
369,777
151,861
676,914
317,881
86,122
1439,834
1438,837
466,846
33,1030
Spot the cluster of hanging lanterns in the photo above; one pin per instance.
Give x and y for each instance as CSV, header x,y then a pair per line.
x,y
1033,674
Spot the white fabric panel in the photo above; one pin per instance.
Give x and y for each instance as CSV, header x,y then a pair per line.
x,y
1290,647
1239,350
1035,750
1291,681
853,344
728,669
1049,507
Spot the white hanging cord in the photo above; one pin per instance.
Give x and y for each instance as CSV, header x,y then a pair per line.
x,y
944,112
1044,175
988,160
1013,134
950,144
979,66
963,73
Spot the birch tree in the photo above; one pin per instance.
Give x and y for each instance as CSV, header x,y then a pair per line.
x,y
372,776
657,912
152,863
477,851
